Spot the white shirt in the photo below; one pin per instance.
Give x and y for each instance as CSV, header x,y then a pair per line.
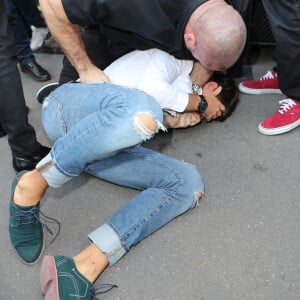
x,y
157,73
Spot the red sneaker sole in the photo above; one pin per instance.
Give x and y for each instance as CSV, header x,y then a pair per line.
x,y
279,130
250,91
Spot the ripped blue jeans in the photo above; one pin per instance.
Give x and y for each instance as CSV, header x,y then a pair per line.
x,y
98,128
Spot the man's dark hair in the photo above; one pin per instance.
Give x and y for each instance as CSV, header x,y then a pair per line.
x,y
229,95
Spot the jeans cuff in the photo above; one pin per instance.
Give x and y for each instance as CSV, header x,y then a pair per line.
x,y
106,239
54,177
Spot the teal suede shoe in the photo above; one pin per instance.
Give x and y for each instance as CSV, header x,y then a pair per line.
x,y
60,280
25,229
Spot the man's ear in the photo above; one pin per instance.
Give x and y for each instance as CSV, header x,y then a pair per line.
x,y
189,37
212,87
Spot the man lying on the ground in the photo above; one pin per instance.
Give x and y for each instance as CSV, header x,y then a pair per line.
x,y
181,87
97,128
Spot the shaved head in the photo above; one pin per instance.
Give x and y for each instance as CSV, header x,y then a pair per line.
x,y
216,34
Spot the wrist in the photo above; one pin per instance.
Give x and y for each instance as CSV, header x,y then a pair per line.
x,y
202,106
197,90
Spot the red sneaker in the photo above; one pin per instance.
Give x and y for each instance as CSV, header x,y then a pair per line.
x,y
285,119
267,84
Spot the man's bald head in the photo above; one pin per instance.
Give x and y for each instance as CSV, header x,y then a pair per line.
x,y
215,34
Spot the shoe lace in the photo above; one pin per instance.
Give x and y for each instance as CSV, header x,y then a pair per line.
x,y
285,105
32,215
102,288
268,75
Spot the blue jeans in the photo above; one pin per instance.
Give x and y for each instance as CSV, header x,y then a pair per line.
x,y
95,130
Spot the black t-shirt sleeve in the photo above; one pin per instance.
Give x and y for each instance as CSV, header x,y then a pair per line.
x,y
84,12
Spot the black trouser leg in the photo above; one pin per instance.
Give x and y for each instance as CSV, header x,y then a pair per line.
x,y
284,17
245,9
13,113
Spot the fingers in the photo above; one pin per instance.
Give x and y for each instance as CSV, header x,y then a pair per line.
x,y
217,91
214,110
213,114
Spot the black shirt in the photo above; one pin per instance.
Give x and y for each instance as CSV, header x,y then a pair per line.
x,y
137,24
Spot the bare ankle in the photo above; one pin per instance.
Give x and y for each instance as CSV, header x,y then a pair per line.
x,y
91,262
30,189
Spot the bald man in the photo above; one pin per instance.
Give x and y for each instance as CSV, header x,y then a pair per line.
x,y
211,31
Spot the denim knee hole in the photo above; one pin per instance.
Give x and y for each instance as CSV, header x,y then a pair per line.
x,y
198,196
146,125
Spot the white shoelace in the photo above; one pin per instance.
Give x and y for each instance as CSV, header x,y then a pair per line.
x,y
268,75
285,105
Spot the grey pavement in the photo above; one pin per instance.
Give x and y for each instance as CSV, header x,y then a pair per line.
x,y
241,242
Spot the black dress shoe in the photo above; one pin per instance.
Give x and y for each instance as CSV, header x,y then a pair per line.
x,y
2,131
36,71
22,163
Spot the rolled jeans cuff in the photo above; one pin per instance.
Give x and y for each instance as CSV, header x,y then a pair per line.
x,y
106,239
54,177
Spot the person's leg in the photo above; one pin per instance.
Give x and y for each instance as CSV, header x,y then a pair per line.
x,y
89,122
31,13
25,149
169,188
28,63
101,118
284,17
24,53
2,131
244,8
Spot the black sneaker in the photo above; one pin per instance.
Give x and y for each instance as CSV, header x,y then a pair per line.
x,y
44,91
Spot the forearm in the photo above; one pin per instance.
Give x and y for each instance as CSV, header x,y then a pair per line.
x,y
200,75
181,120
67,36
